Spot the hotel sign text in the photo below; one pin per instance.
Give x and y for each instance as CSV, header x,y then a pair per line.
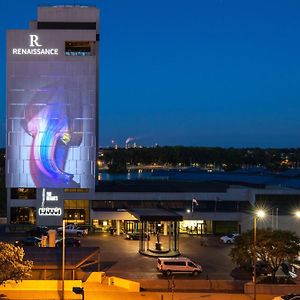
x,y
35,48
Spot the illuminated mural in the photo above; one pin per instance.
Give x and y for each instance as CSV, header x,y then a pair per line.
x,y
51,116
51,137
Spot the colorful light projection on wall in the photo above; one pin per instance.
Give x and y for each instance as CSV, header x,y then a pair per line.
x,y
51,139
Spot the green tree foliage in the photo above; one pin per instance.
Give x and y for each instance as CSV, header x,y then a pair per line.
x,y
272,247
12,263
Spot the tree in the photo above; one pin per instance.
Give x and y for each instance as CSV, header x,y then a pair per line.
x,y
272,247
12,263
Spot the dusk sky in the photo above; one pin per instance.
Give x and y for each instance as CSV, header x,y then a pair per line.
x,y
194,73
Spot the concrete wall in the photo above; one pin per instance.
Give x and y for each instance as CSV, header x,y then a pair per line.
x,y
272,289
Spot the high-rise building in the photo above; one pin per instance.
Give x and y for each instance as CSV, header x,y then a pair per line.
x,y
52,90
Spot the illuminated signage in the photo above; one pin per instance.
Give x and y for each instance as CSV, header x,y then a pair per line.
x,y
49,197
49,211
35,48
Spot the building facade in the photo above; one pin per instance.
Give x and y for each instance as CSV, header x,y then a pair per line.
x,y
52,105
52,100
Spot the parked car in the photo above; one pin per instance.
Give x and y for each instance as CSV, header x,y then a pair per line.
x,y
29,241
73,229
229,238
137,236
288,297
285,271
38,231
69,242
169,265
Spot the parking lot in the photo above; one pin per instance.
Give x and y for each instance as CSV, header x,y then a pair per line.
x,y
120,257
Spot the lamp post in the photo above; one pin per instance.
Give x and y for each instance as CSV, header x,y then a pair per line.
x,y
194,202
63,260
259,214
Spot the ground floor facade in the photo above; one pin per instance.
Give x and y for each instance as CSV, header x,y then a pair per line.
x,y
201,213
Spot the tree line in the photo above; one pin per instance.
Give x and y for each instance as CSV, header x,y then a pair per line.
x,y
226,158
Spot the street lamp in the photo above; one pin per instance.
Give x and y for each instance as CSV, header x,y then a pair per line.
x,y
63,260
297,214
258,214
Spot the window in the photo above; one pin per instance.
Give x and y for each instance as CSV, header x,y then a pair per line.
x,y
191,265
23,215
77,211
76,190
23,193
79,48
175,263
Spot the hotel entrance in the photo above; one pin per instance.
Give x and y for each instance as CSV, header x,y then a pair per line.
x,y
197,227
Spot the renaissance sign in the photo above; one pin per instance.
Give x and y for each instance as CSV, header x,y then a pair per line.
x,y
35,48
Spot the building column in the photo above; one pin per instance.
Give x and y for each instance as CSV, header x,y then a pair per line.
x,y
165,228
118,227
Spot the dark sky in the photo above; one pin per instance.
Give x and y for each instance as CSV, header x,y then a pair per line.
x,y
193,72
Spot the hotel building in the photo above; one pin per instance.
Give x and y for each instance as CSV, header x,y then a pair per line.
x,y
52,117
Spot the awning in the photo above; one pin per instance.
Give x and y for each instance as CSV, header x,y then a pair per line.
x,y
112,215
155,214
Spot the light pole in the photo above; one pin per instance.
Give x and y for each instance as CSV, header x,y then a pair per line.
x,y
63,260
194,201
259,214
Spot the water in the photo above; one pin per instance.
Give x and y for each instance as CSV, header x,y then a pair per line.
x,y
145,175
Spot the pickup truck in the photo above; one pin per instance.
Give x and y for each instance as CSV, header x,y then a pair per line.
x,y
72,229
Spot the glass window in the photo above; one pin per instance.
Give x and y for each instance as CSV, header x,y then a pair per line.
x,y
22,215
23,193
79,48
76,190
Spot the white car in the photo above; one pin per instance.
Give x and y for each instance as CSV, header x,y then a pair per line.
x,y
288,297
229,238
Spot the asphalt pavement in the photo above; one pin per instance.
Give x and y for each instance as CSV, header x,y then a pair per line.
x,y
120,257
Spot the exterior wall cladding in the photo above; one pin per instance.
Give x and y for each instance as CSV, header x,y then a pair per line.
x,y
52,100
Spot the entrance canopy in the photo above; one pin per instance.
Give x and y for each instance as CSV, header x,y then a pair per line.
x,y
155,214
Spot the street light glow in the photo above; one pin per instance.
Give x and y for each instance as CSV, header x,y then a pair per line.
x,y
261,213
297,214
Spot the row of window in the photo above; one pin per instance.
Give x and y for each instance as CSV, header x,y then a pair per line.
x,y
79,48
30,193
203,206
27,215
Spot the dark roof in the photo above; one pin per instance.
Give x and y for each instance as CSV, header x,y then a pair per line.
x,y
163,186
51,257
155,214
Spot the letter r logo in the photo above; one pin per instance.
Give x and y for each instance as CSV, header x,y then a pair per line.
x,y
34,41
